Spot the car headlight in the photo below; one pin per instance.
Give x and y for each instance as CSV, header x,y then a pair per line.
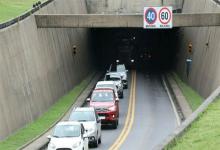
x,y
112,108
51,146
77,144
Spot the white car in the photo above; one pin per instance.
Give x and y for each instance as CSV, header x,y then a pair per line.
x,y
68,135
120,68
107,84
90,119
116,77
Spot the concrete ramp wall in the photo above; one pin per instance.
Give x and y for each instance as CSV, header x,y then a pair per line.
x,y
204,75
37,66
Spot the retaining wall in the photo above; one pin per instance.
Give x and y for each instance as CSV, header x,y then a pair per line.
x,y
204,75
127,6
37,66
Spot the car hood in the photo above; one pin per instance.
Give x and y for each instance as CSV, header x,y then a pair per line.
x,y
101,104
88,124
65,142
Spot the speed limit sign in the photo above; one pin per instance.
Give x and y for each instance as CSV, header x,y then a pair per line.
x,y
165,16
158,17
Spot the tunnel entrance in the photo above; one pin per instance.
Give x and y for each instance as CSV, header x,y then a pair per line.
x,y
135,47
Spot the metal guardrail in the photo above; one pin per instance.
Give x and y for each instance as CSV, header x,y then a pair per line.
x,y
25,15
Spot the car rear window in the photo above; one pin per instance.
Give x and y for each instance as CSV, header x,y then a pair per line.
x,y
102,96
120,68
82,116
105,85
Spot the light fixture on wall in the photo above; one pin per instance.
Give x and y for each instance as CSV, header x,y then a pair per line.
x,y
74,50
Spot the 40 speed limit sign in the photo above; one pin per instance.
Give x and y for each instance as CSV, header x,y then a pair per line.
x,y
158,17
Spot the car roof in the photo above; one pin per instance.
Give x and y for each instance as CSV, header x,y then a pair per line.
x,y
104,89
84,109
105,82
68,123
121,65
114,74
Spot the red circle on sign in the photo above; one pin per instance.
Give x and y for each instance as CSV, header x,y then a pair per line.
x,y
165,8
155,15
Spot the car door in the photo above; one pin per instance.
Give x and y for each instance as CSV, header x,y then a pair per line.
x,y
98,120
85,140
117,105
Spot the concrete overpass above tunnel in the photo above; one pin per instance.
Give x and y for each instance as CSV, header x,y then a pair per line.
x,y
121,20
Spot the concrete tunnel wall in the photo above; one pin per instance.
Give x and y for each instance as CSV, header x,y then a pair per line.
x,y
205,70
37,66
127,6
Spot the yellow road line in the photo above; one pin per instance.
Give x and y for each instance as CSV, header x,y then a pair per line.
x,y
130,116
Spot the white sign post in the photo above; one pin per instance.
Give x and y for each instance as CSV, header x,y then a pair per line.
x,y
158,17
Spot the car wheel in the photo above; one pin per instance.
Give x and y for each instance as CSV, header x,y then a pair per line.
x,y
122,94
100,140
96,143
115,124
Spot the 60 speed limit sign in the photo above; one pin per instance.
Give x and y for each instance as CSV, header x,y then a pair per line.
x,y
158,17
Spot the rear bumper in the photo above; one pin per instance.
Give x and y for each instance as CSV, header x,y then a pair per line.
x,y
108,118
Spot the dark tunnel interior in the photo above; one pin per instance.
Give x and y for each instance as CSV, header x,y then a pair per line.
x,y
140,49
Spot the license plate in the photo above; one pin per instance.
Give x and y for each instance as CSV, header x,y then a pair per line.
x,y
102,117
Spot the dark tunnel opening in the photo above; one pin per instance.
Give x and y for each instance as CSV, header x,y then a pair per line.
x,y
152,50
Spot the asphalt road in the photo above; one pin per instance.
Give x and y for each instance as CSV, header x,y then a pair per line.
x,y
154,117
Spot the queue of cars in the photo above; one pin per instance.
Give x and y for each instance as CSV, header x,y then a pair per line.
x,y
83,129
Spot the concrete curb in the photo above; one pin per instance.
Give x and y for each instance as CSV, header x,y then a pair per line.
x,y
172,101
174,97
77,103
181,129
181,100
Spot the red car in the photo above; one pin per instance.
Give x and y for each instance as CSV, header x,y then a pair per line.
x,y
105,102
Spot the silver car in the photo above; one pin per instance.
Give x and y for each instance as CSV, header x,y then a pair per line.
x,y
116,77
91,121
120,68
107,84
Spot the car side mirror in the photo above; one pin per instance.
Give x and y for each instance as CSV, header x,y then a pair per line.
x,y
49,137
85,135
88,99
98,120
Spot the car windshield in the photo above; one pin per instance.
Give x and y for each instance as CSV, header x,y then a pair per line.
x,y
82,116
66,131
120,68
102,96
114,78
105,85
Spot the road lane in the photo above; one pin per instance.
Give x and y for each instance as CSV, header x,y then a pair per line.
x,y
110,135
129,117
154,117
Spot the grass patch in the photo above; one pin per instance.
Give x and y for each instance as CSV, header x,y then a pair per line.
x,y
12,8
46,120
193,99
203,134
